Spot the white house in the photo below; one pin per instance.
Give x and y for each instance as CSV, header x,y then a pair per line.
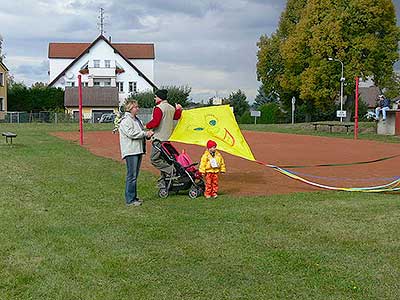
x,y
125,67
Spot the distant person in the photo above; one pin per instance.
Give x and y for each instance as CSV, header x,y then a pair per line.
x,y
162,123
132,137
383,105
118,118
212,163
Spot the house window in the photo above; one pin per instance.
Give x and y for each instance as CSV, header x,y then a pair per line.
x,y
1,79
70,83
107,82
107,63
85,83
120,86
96,63
75,114
132,87
96,82
1,104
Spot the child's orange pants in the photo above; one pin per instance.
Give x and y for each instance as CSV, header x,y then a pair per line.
x,y
211,184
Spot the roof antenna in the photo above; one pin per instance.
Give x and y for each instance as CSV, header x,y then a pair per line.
x,y
101,22
1,47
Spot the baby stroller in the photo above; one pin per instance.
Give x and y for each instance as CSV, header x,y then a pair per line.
x,y
185,175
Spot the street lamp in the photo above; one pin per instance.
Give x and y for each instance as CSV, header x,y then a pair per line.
x,y
342,79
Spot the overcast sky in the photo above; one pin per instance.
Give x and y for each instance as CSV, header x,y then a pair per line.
x,y
208,45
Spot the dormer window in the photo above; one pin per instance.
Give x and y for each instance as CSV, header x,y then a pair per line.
x,y
85,65
85,68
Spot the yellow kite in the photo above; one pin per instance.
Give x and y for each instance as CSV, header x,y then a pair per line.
x,y
197,126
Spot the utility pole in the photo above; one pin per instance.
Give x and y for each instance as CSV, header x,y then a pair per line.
x,y
342,79
293,107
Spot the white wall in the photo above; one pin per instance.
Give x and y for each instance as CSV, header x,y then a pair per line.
x,y
56,65
146,66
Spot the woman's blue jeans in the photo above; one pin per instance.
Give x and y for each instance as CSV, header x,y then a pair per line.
x,y
132,166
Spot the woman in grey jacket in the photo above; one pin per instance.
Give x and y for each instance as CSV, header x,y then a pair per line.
x,y
132,139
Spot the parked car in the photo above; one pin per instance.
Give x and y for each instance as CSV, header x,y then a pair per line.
x,y
107,118
370,115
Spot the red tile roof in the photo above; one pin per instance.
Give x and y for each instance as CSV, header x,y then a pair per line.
x,y
73,50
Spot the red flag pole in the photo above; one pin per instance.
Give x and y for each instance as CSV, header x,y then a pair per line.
x,y
80,111
356,112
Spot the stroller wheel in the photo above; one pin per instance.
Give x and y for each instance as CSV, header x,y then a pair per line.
x,y
194,192
163,193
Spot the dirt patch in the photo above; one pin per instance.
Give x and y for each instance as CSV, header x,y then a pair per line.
x,y
249,178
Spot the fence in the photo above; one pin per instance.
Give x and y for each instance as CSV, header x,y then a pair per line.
x,y
52,117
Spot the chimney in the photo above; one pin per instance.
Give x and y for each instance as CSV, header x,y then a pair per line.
x,y
109,38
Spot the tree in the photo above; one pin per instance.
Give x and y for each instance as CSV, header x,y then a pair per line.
x,y
270,64
361,33
239,103
144,99
176,94
18,94
37,98
45,98
263,98
392,89
270,113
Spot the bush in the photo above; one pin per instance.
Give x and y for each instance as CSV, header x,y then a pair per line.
x,y
271,113
176,94
144,99
246,118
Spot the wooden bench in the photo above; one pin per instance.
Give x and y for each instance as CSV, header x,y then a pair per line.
x,y
9,135
331,125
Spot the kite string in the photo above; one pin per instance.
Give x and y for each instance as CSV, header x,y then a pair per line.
x,y
389,187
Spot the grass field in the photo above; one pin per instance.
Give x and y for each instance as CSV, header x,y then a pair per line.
x,y
66,234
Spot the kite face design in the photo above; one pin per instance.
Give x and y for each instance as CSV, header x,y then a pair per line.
x,y
198,125
212,126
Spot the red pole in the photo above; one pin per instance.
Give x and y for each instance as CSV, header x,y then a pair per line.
x,y
80,111
356,113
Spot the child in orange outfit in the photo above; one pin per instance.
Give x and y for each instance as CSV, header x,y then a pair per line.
x,y
211,164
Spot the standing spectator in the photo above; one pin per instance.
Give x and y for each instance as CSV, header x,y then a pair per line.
x,y
132,137
383,105
162,123
212,163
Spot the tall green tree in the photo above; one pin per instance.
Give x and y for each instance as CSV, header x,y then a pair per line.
x,y
271,64
238,101
263,98
360,33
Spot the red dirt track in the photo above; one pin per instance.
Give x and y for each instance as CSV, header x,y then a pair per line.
x,y
249,178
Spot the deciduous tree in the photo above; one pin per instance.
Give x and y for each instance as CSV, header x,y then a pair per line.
x,y
360,33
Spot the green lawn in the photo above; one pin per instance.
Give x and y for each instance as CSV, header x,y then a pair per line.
x,y
66,234
367,130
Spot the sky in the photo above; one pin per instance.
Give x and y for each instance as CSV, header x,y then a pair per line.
x,y
210,46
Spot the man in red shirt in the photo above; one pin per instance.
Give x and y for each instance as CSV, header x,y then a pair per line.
x,y
162,124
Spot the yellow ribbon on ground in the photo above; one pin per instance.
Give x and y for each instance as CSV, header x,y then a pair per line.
x,y
198,125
